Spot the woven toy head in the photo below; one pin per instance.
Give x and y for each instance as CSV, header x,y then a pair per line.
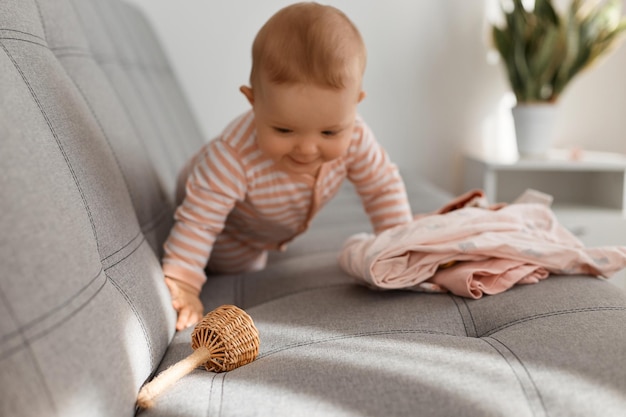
x,y
230,336
225,339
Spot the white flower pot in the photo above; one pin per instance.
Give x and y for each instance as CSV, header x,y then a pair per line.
x,y
534,127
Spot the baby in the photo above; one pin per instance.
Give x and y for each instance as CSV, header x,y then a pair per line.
x,y
260,183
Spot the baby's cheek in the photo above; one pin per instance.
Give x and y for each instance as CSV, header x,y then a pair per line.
x,y
271,148
334,155
337,149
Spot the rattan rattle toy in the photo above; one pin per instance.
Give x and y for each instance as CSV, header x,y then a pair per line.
x,y
225,339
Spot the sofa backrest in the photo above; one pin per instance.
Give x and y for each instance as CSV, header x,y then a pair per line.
x,y
93,128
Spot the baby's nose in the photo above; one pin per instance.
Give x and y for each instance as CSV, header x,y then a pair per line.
x,y
306,146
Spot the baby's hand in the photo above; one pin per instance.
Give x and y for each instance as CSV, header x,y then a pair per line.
x,y
186,301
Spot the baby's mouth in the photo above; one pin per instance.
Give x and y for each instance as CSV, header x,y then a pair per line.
x,y
299,161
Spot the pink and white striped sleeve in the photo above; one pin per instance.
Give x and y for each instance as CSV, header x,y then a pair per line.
x,y
216,182
377,181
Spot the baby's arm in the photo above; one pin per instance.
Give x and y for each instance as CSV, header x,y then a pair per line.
x,y
216,182
378,182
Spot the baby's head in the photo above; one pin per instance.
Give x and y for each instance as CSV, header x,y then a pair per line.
x,y
305,84
308,43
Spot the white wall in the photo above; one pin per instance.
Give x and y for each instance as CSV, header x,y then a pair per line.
x,y
431,92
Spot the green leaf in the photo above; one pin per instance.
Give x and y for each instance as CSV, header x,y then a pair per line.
x,y
543,51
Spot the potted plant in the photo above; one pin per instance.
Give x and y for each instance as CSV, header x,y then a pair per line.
x,y
543,51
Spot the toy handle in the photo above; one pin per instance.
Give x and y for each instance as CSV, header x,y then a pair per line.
x,y
165,379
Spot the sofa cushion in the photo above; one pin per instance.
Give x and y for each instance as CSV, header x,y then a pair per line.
x,y
128,52
86,315
330,346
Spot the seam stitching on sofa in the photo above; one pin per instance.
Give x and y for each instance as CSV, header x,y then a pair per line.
x,y
124,64
22,32
102,60
106,138
70,314
155,220
469,311
519,379
210,395
134,42
59,145
127,298
222,382
87,209
124,246
458,308
138,52
131,77
470,328
86,206
38,319
26,344
517,376
552,314
350,336
88,53
129,301
133,123
139,319
128,255
4,38
281,296
63,51
82,52
42,20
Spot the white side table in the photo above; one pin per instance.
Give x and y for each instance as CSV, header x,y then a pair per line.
x,y
596,179
596,227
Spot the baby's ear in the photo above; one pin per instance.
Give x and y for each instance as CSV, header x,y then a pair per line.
x,y
362,95
248,92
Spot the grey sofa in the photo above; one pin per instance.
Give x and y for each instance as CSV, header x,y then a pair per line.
x,y
93,130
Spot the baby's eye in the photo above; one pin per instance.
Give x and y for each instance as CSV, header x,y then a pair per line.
x,y
329,133
282,130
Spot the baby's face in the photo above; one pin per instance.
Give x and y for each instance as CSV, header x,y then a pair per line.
x,y
301,126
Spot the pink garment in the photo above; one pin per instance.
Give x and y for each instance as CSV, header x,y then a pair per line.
x,y
470,248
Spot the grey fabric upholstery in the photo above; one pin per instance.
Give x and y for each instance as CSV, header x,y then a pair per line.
x,y
86,317
93,130
332,347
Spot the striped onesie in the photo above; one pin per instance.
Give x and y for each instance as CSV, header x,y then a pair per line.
x,y
238,204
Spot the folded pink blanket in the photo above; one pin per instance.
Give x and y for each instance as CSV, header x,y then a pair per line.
x,y
471,249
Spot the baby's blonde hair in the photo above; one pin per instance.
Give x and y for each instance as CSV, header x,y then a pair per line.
x,y
308,43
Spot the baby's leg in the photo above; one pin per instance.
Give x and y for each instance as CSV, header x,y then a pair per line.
x,y
231,256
